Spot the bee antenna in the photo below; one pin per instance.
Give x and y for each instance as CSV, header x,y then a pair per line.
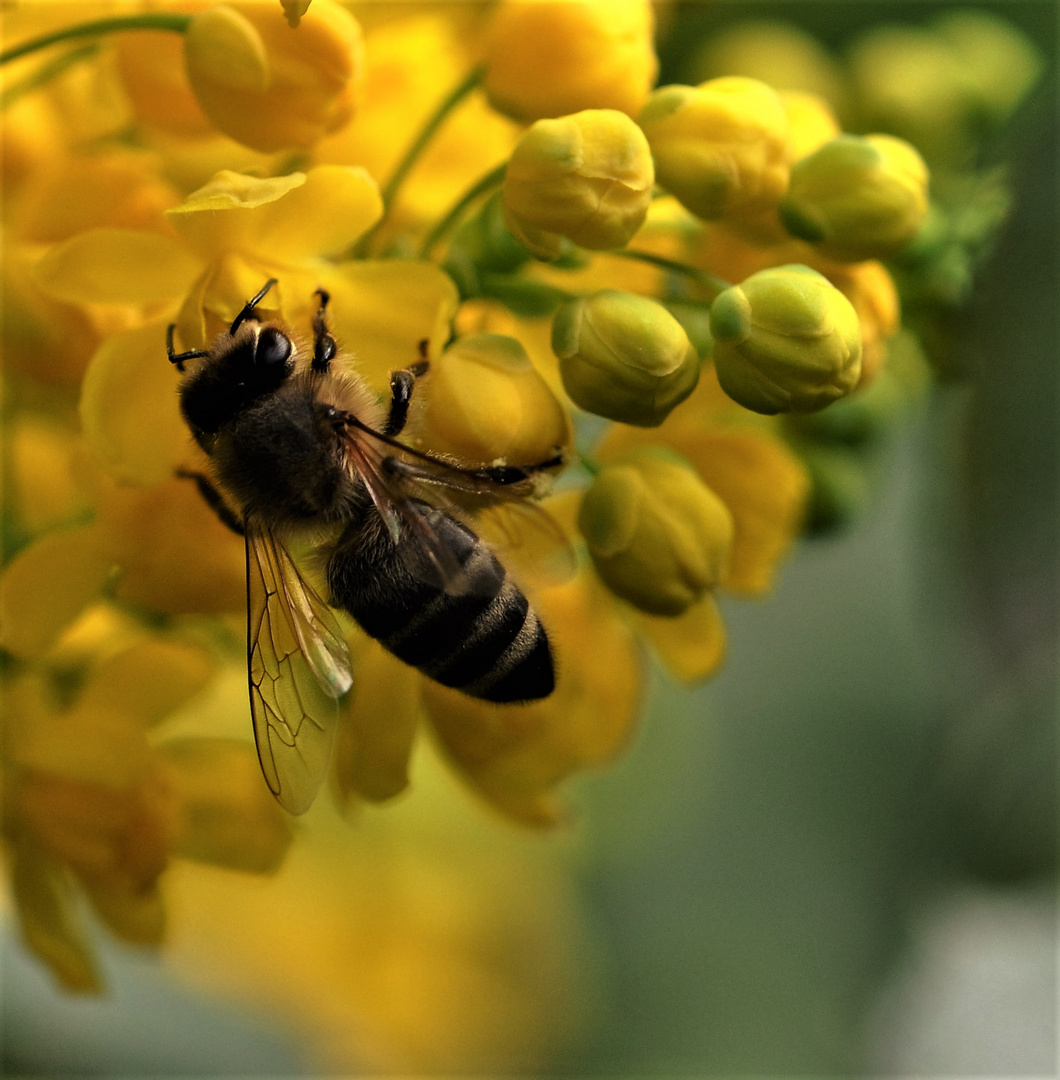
x,y
248,307
179,358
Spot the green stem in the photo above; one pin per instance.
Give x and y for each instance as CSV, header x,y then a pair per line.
x,y
411,155
485,183
47,71
591,466
701,277
148,21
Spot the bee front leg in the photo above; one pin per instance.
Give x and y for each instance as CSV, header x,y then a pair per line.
x,y
324,347
401,385
214,500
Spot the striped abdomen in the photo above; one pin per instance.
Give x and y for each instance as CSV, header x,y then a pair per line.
x,y
484,640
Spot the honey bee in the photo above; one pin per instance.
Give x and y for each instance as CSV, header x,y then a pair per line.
x,y
305,451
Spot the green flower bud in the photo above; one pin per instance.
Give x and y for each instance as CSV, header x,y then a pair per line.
x,y
658,536
587,177
785,340
720,148
857,197
624,356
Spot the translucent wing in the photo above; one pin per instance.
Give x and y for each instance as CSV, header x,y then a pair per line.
x,y
397,483
298,665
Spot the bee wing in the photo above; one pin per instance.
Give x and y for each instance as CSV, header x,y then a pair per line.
x,y
298,664
394,482
410,521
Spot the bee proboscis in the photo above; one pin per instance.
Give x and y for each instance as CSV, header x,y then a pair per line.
x,y
304,450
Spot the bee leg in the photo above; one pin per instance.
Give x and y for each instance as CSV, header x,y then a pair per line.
x,y
179,358
214,500
324,347
401,384
248,311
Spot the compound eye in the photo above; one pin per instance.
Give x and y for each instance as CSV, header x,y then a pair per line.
x,y
274,347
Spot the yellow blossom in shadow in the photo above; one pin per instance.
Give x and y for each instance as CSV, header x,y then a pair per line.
x,y
90,805
399,945
412,62
546,59
267,85
751,469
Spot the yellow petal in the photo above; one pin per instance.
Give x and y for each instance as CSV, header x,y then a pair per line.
x,y
280,219
516,754
147,681
48,922
223,42
332,209
220,215
382,309
692,646
380,719
174,553
230,817
47,585
136,915
116,266
129,409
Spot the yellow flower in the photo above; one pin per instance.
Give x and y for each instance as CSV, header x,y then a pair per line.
x,y
269,86
516,755
658,536
624,356
412,63
756,475
785,340
486,403
857,198
721,148
588,177
548,59
811,122
92,805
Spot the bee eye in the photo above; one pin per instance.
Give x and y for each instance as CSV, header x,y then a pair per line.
x,y
273,347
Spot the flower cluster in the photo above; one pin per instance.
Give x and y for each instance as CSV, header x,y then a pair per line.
x,y
663,287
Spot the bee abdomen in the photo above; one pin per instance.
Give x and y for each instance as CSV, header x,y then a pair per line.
x,y
485,640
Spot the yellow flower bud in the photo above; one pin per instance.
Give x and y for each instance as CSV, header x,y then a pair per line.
x,y
269,86
549,59
624,356
857,197
811,122
658,536
721,147
486,402
785,340
588,177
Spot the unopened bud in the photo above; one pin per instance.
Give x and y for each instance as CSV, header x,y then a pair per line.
x,y
721,147
658,536
548,59
587,177
624,356
857,197
785,340
486,403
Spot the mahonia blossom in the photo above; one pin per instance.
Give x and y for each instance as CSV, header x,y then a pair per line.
x,y
658,289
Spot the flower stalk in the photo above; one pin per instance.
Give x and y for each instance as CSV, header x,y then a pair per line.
x,y
175,23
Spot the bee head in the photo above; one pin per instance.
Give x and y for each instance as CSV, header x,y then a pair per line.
x,y
241,368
